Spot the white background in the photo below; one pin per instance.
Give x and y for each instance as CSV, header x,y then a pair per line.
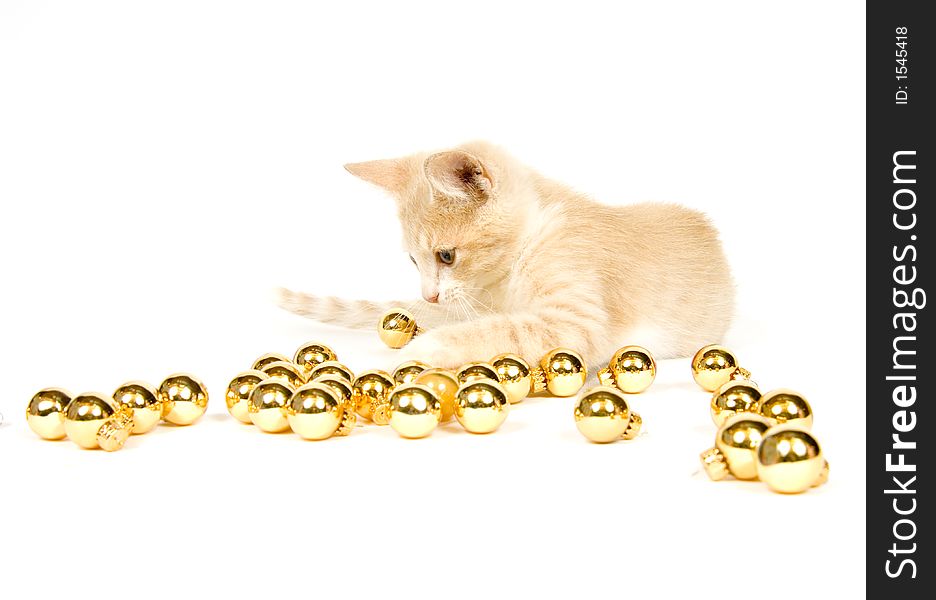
x,y
163,166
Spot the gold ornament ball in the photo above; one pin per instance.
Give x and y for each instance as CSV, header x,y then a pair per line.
x,y
267,405
408,371
266,359
184,398
311,354
45,413
396,328
332,367
633,369
415,410
713,366
315,412
514,375
602,415
735,448
790,461
85,415
143,399
786,406
564,371
475,371
341,386
481,406
445,385
286,372
237,396
734,397
371,390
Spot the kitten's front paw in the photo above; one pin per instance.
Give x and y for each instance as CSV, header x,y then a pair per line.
x,y
433,351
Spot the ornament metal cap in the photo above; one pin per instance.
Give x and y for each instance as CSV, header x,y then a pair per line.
x,y
714,463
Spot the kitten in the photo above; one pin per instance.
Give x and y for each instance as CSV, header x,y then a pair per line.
x,y
529,265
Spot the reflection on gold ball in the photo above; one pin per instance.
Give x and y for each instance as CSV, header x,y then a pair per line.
x,y
735,448
285,371
332,367
789,460
184,398
267,405
45,413
407,372
415,410
514,375
475,371
341,386
237,396
786,406
481,405
602,415
733,397
315,411
310,355
633,369
712,366
86,413
143,399
445,385
370,390
564,370
266,359
396,328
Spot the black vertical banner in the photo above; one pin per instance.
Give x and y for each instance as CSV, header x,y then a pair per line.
x,y
901,373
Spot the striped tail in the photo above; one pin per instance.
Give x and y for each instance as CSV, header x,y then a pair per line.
x,y
356,314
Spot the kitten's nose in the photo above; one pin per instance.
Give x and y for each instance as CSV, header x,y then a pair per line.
x,y
434,298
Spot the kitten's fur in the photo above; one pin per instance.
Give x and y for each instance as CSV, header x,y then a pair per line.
x,y
538,265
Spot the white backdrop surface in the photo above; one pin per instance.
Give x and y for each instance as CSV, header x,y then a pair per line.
x,y
164,165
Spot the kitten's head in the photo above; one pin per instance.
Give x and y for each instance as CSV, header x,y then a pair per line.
x,y
461,213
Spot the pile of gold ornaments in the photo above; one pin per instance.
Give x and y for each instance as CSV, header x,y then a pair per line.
x,y
760,436
602,414
94,420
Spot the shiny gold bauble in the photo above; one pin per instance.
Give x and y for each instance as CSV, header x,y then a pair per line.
x,y
143,399
633,369
712,366
789,460
735,448
285,371
515,376
415,410
407,372
564,372
475,371
316,412
331,367
602,415
45,413
445,385
268,358
341,385
184,398
267,405
237,396
311,354
735,396
85,415
370,391
786,406
481,405
396,327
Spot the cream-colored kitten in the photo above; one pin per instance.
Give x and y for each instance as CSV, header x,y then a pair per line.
x,y
529,265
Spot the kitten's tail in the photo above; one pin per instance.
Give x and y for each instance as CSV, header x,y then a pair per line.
x,y
356,314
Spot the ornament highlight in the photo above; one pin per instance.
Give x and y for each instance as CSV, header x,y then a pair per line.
x,y
45,413
237,395
184,398
602,415
790,461
397,327
415,410
481,405
735,449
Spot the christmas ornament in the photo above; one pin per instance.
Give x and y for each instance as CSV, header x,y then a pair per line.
x,y
415,410
602,415
631,369
397,327
45,413
341,386
561,372
481,405
712,366
267,404
735,448
474,371
331,367
237,396
285,371
786,406
789,460
371,392
86,417
408,371
316,412
445,385
733,397
268,358
143,400
184,399
514,375
310,355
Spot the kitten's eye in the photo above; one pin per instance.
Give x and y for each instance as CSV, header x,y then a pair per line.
x,y
446,257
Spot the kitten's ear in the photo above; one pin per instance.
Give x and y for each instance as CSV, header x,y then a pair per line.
x,y
392,174
459,175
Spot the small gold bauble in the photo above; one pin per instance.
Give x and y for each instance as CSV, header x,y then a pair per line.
x,y
267,405
331,367
633,369
415,410
45,413
285,371
602,415
445,385
712,366
735,448
237,396
310,355
475,371
371,390
316,412
481,405
85,415
786,406
266,359
789,460
143,399
564,371
408,371
396,328
734,397
514,375
184,398
341,385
